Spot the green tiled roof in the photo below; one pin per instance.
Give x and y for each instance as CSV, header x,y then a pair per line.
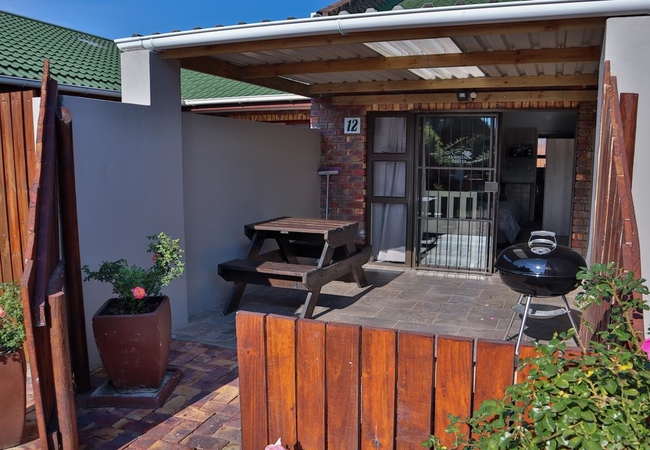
x,y
197,85
76,58
81,59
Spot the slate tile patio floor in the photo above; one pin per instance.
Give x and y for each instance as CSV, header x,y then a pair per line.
x,y
203,410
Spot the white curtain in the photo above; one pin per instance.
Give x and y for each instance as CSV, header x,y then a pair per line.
x,y
389,180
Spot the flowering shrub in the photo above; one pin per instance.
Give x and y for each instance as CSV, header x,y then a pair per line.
x,y
12,326
135,286
595,400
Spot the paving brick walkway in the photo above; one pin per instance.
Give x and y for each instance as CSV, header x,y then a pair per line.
x,y
201,413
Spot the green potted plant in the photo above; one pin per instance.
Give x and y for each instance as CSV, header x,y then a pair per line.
x,y
595,400
13,373
133,330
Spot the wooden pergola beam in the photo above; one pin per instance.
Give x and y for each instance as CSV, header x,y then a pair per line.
x,y
536,56
464,83
482,97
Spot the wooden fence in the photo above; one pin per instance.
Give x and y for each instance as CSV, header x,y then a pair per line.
x,y
615,237
336,386
16,174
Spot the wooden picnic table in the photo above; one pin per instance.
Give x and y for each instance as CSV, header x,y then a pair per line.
x,y
329,242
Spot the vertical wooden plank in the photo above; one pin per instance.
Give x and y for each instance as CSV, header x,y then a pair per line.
x,y
495,370
71,254
454,382
29,133
20,107
46,219
310,393
26,289
629,107
11,198
415,382
378,377
6,270
251,356
343,387
63,373
281,378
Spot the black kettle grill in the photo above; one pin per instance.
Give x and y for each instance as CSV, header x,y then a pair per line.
x,y
539,268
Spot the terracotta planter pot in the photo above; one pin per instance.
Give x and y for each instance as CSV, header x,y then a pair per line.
x,y
13,379
134,348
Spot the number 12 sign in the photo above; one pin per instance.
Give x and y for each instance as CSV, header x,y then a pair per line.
x,y
352,125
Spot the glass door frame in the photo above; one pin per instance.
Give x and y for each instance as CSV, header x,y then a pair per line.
x,y
409,159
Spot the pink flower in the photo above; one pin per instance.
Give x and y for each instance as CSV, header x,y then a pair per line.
x,y
3,313
646,347
138,292
276,446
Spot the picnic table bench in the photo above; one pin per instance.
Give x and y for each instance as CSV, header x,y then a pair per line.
x,y
330,242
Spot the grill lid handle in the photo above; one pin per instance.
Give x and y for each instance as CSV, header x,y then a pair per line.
x,y
542,242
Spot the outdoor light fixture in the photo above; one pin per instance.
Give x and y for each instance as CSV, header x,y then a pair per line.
x,y
464,96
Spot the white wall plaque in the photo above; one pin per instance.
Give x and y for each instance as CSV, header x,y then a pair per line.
x,y
352,125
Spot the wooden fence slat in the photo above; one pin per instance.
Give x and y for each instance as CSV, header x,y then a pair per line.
x,y
281,377
454,382
9,138
415,382
70,234
251,356
21,106
495,370
310,390
342,361
6,269
26,290
63,373
46,220
378,376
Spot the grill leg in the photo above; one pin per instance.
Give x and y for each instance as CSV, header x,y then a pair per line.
x,y
512,319
573,322
523,325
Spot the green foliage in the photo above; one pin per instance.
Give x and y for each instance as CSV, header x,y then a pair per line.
x,y
12,323
133,284
595,400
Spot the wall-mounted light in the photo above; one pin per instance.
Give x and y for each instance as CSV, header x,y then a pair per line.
x,y
462,96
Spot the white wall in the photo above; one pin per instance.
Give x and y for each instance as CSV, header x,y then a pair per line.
x,y
140,170
129,169
238,172
626,47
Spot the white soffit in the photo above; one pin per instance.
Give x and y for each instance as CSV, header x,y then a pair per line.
x,y
418,47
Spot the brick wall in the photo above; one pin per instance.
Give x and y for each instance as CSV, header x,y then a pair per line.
x,y
347,191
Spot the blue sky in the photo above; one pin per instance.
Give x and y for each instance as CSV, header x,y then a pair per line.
x,y
121,18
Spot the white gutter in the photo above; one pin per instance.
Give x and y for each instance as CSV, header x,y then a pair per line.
x,y
485,13
72,89
246,100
